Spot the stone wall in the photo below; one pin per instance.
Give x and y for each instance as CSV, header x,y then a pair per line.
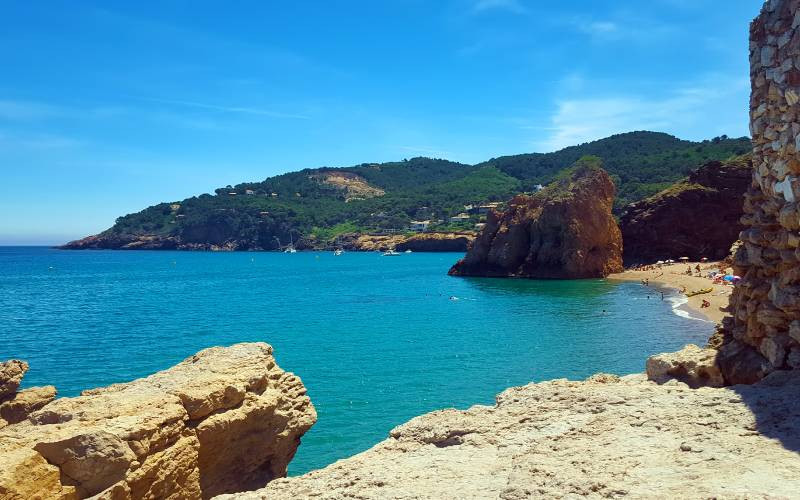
x,y
764,333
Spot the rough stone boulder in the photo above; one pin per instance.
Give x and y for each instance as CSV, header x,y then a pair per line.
x,y
17,407
564,231
607,437
692,365
223,420
11,373
695,218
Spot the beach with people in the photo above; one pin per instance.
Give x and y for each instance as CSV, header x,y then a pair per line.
x,y
687,279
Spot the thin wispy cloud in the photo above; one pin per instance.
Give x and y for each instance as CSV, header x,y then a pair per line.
x,y
27,110
428,151
581,119
227,109
507,5
42,141
625,27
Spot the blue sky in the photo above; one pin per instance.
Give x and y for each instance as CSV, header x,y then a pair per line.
x,y
108,107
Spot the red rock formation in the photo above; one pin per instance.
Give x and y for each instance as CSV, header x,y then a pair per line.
x,y
696,218
565,231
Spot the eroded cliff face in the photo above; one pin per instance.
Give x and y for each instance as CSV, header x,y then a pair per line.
x,y
764,333
565,231
224,420
696,218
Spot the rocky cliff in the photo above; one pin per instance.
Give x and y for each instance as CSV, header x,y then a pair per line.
x,y
763,333
602,438
564,231
698,217
223,420
421,242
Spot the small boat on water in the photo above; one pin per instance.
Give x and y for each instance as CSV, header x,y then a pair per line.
x,y
390,253
290,247
338,252
408,251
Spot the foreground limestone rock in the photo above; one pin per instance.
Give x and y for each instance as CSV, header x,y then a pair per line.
x,y
223,420
605,437
764,331
696,218
16,406
692,365
563,231
11,373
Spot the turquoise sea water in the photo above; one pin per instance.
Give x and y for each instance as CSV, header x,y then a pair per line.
x,y
376,340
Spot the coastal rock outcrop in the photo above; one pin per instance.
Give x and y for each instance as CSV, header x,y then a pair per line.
x,y
421,242
11,373
564,231
763,333
692,365
695,218
602,438
15,406
224,420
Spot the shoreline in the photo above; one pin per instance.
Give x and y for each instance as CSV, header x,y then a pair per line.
x,y
671,277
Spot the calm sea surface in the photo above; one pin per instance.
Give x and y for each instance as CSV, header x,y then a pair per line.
x,y
377,340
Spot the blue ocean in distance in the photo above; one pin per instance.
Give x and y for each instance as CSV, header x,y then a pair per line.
x,y
377,340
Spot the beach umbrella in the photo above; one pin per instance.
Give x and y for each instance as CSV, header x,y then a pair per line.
x,y
728,277
660,262
684,258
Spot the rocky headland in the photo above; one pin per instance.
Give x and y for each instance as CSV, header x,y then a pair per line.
x,y
224,420
564,231
695,218
354,242
420,242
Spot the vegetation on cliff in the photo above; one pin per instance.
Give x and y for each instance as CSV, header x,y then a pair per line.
x,y
317,205
697,217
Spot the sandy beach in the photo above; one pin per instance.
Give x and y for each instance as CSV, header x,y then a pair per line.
x,y
674,276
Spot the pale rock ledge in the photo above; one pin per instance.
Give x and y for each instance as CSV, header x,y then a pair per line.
x,y
604,437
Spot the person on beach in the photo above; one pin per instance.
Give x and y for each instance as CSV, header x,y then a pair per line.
x,y
662,295
705,304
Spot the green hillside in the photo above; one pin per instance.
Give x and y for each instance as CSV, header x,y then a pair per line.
x,y
323,202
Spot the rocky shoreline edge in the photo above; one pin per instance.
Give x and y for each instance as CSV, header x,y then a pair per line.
x,y
353,242
227,421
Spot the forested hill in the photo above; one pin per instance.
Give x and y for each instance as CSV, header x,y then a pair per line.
x,y
316,205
